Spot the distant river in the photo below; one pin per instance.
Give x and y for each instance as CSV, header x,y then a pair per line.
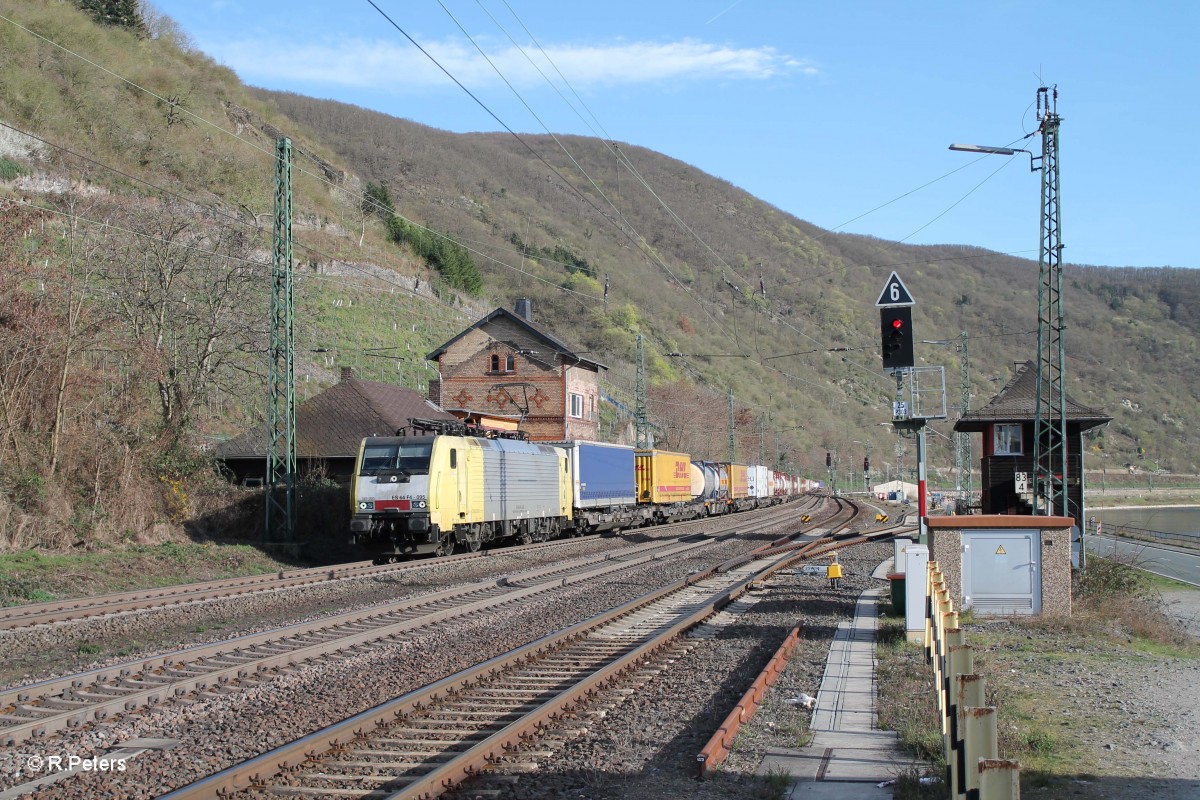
x,y
1168,519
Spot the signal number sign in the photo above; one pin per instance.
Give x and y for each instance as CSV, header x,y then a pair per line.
x,y
894,293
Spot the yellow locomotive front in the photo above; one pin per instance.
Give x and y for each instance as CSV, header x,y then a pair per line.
x,y
390,500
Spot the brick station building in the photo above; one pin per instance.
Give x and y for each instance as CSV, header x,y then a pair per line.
x,y
506,365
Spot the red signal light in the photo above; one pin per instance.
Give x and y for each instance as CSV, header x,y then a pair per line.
x,y
896,334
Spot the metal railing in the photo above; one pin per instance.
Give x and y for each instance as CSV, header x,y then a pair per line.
x,y
1189,540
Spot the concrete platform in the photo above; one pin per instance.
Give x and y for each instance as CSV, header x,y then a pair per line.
x,y
848,756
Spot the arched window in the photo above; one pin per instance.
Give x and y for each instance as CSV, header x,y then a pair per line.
x,y
510,363
495,363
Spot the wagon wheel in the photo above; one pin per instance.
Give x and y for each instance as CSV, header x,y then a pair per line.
x,y
474,539
445,545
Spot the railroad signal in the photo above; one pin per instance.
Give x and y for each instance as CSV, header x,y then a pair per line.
x,y
828,459
866,464
895,327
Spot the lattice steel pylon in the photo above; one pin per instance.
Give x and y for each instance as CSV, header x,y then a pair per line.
x,y
641,418
732,432
280,484
962,449
1050,409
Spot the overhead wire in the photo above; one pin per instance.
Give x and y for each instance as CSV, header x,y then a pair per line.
x,y
621,156
629,232
633,170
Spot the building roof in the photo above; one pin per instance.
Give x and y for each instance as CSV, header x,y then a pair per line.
x,y
333,423
560,347
1017,402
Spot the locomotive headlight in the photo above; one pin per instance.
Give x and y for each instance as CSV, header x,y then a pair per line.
x,y
420,504
366,505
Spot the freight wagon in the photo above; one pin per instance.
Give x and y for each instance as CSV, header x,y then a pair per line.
x,y
604,495
664,484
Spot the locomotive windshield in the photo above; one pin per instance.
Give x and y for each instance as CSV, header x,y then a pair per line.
x,y
411,457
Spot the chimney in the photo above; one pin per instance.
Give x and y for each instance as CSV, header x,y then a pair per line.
x,y
525,309
434,394
347,374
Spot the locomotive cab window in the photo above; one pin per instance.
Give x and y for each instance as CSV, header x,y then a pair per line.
x,y
1007,440
410,457
453,458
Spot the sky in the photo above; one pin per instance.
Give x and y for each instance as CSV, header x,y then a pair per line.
x,y
840,113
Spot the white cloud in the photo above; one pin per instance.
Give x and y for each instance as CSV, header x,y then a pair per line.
x,y
400,67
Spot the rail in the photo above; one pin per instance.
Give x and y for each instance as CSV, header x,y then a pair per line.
x,y
717,750
71,609
37,710
305,758
969,738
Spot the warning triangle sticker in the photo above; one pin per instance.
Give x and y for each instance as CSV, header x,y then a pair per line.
x,y
894,293
1000,551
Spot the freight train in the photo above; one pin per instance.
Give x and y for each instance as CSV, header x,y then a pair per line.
x,y
441,486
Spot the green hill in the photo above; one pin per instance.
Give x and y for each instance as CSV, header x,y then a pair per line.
x,y
137,178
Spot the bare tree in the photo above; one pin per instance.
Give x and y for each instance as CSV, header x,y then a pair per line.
x,y
191,298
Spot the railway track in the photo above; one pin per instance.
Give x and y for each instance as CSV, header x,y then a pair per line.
x,y
43,708
16,617
432,739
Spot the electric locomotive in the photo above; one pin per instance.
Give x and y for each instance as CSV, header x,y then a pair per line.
x,y
452,485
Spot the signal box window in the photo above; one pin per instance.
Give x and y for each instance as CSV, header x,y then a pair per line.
x,y
495,363
576,409
510,363
1008,441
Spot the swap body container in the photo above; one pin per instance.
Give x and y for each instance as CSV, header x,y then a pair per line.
x,y
663,477
758,481
739,482
602,475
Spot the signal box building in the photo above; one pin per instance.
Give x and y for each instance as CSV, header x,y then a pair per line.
x,y
1007,425
508,366
1013,559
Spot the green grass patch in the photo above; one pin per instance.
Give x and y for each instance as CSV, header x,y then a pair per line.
x,y
10,169
775,784
906,696
1164,584
31,576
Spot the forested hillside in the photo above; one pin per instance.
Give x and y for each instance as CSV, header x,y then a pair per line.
x,y
739,283
136,205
